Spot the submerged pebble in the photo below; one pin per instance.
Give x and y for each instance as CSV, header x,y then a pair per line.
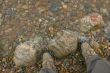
x,y
54,7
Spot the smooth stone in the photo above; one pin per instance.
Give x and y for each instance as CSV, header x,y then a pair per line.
x,y
64,43
28,53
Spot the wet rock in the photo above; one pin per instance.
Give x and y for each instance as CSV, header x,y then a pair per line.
x,y
87,7
64,6
10,11
91,22
64,43
54,7
28,53
25,7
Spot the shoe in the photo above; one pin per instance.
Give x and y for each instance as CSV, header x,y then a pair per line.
x,y
94,44
96,47
48,61
87,51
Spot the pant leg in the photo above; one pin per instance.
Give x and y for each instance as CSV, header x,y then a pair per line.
x,y
97,65
46,70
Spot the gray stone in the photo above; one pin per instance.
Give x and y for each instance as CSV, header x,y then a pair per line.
x,y
54,7
27,53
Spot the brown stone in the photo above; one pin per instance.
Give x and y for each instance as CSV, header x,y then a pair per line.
x,y
64,43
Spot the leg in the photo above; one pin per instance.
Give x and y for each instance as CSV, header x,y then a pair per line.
x,y
94,63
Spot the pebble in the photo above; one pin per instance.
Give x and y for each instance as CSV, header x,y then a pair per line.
x,y
25,7
40,20
10,12
64,6
87,7
8,30
4,59
54,7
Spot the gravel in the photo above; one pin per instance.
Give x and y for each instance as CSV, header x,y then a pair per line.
x,y
21,20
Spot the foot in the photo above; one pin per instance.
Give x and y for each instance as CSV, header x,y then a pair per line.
x,y
48,61
87,51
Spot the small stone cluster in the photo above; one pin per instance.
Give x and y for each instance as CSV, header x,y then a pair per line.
x,y
64,43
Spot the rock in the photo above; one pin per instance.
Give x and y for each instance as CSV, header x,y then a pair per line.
x,y
28,53
10,12
64,6
54,7
91,22
87,7
25,7
64,43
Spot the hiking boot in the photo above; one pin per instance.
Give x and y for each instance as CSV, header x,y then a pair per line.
x,y
87,51
94,44
48,61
